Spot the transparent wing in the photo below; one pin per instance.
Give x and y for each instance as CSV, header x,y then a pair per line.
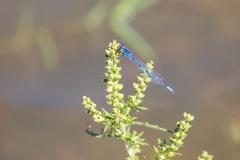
x,y
156,78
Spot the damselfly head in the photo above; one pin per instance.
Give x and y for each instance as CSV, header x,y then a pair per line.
x,y
121,48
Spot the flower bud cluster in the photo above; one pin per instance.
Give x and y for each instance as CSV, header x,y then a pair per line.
x,y
166,151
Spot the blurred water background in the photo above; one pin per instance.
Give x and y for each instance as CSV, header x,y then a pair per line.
x,y
52,53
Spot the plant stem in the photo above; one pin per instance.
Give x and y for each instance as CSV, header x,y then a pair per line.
x,y
152,126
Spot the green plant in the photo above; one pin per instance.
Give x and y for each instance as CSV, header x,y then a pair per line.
x,y
118,121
